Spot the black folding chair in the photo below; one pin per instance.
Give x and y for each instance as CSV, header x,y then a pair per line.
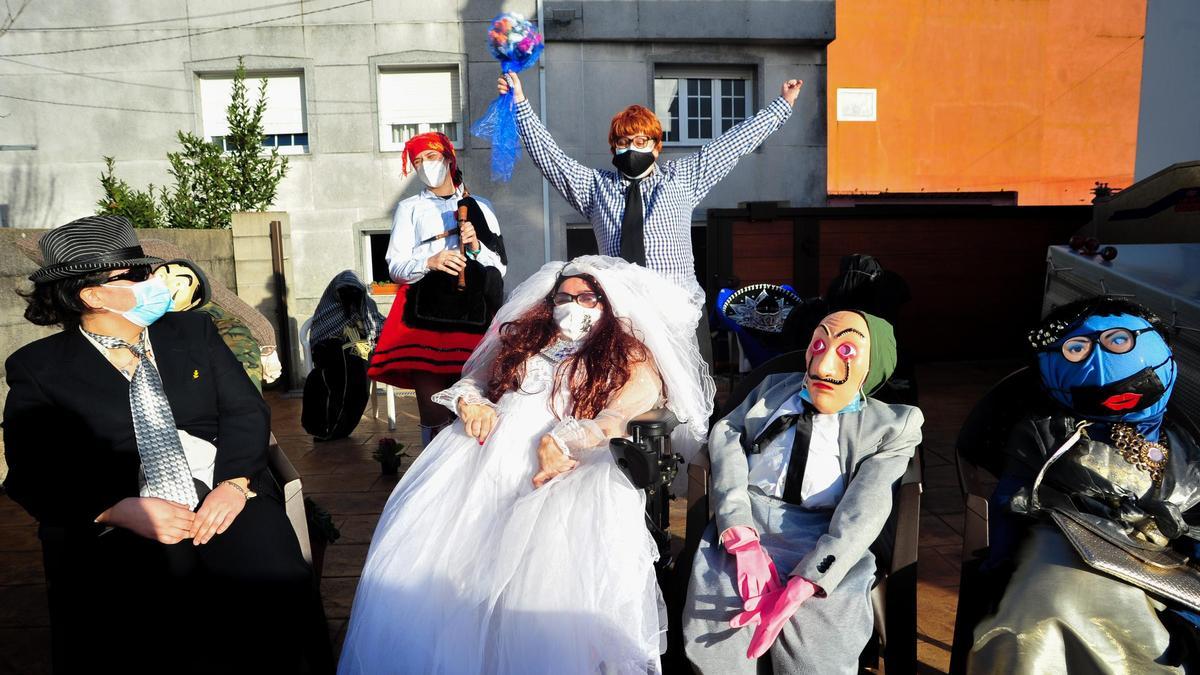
x,y
894,597
979,457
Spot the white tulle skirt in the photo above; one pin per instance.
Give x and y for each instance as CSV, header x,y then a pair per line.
x,y
471,570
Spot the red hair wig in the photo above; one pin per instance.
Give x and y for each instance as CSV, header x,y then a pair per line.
x,y
432,140
601,367
635,120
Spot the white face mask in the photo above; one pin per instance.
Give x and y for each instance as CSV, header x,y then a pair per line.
x,y
432,172
575,320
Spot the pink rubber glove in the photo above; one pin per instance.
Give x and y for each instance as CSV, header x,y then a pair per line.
x,y
771,611
755,571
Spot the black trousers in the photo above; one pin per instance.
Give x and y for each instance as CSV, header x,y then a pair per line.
x,y
244,602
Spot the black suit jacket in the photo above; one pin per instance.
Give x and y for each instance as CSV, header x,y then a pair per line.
x,y
68,430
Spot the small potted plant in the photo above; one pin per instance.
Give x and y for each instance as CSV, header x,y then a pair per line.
x,y
321,533
388,455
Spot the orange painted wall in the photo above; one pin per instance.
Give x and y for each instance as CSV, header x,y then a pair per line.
x,y
1038,96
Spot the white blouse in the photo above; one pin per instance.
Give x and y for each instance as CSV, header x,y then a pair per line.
x,y
427,215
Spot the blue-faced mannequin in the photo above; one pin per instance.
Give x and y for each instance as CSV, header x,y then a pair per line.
x,y
1132,387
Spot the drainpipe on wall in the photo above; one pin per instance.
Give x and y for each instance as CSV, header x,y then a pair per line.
x,y
541,13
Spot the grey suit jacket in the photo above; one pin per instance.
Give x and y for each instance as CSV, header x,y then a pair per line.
x,y
876,445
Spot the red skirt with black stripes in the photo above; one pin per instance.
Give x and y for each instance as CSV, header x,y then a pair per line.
x,y
403,350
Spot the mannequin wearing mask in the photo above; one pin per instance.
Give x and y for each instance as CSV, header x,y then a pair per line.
x,y
514,545
138,444
802,478
1097,443
424,242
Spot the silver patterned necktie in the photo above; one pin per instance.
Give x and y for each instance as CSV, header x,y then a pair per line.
x,y
163,460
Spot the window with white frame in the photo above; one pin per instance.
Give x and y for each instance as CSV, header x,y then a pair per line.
x,y
284,123
415,101
697,105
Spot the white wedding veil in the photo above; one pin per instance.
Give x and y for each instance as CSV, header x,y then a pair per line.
x,y
661,314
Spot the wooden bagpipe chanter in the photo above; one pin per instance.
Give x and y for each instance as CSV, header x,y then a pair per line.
x,y
467,302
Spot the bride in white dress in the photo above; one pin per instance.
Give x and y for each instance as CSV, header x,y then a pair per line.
x,y
514,544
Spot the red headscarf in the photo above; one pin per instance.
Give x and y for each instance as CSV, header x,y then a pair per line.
x,y
432,140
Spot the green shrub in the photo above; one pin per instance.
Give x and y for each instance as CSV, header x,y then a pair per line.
x,y
202,196
210,185
141,208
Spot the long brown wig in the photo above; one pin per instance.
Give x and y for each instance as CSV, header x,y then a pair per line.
x,y
603,364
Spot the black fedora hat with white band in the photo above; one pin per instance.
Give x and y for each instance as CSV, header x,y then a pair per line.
x,y
89,245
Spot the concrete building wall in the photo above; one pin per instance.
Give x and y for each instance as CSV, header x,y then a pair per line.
x,y
71,104
1036,96
1169,123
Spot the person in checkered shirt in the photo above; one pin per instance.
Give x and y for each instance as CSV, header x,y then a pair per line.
x,y
656,232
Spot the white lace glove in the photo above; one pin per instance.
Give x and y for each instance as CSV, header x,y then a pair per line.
x,y
639,394
467,390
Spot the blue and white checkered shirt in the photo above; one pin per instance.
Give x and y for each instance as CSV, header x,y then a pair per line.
x,y
669,194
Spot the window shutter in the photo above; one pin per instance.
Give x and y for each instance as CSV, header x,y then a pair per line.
x,y
285,103
418,96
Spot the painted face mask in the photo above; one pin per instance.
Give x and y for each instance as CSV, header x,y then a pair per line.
x,y
187,285
151,300
432,172
574,320
1110,368
634,163
838,360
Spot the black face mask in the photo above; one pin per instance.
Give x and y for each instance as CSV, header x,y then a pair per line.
x,y
1131,394
632,163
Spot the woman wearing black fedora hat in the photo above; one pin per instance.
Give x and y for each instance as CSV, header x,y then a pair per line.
x,y
135,439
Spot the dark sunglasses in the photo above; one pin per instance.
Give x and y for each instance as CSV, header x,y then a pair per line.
x,y
134,274
586,299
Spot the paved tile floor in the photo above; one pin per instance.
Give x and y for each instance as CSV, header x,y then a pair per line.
x,y
342,477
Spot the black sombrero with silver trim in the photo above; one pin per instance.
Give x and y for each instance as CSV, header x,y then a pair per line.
x,y
89,245
762,307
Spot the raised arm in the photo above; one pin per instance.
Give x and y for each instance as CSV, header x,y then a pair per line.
x,y
717,159
574,181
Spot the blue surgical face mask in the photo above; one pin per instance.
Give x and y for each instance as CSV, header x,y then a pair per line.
x,y
151,300
851,407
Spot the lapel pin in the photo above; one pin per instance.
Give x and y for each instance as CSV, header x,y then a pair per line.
x,y
195,374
